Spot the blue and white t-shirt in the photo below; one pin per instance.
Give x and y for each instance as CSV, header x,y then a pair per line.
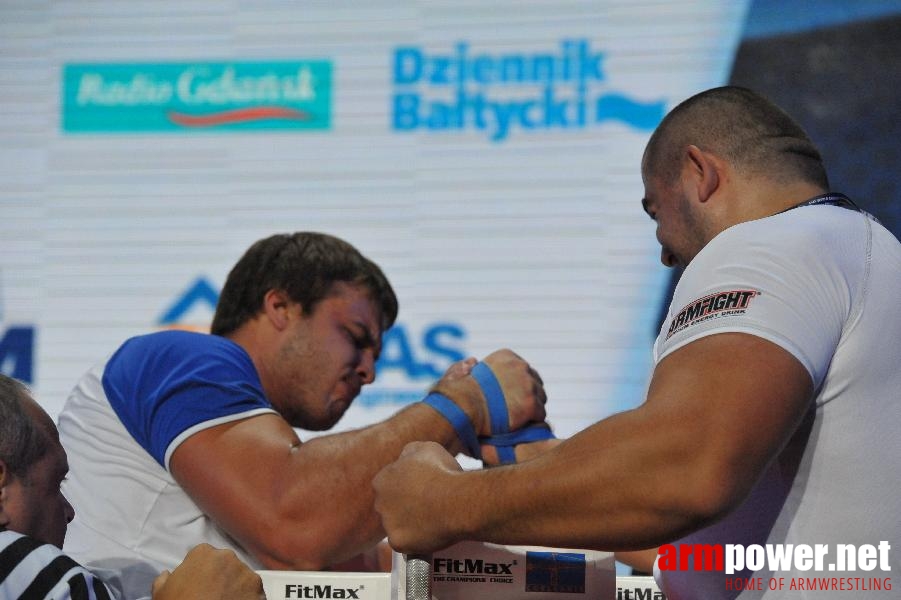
x,y
120,426
166,386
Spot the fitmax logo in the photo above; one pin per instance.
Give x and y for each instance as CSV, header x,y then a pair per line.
x,y
470,566
320,591
638,594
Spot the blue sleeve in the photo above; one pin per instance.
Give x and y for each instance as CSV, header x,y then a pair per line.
x,y
164,383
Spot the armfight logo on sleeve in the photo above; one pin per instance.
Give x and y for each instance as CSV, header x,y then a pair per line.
x,y
720,304
555,572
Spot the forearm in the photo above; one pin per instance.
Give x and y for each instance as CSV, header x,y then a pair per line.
x,y
689,455
308,506
684,459
618,485
326,505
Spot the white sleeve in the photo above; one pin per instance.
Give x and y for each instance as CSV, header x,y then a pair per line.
x,y
785,289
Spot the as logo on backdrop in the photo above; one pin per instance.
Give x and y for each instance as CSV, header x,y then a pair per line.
x,y
499,94
17,352
410,357
193,309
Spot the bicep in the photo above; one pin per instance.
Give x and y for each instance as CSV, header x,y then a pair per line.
x,y
235,473
734,401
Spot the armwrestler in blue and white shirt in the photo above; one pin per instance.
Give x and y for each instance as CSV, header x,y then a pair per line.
x,y
134,519
181,438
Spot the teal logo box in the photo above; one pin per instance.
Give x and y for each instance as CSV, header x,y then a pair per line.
x,y
197,96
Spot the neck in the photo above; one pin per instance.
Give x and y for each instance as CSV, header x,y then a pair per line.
x,y
254,342
757,200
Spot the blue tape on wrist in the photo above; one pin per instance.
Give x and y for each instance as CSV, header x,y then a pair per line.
x,y
494,398
537,432
505,443
458,419
506,454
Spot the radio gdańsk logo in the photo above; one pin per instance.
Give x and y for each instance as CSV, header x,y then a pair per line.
x,y
564,88
173,97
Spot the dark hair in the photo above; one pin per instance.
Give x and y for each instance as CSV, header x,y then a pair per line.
x,y
305,265
23,442
741,126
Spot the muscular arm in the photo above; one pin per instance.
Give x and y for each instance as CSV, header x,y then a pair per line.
x,y
291,505
308,506
718,411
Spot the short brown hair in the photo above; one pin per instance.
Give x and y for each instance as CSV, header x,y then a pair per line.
x,y
305,265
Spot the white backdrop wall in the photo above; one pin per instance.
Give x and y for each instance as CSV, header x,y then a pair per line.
x,y
503,204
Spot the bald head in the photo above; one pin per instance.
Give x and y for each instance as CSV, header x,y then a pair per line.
x,y
755,136
25,429
33,465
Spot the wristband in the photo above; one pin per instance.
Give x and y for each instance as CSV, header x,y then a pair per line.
x,y
458,419
494,398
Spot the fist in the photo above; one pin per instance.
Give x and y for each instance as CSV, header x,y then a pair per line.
x,y
407,498
523,388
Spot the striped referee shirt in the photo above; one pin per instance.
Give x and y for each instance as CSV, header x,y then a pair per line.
x,y
30,570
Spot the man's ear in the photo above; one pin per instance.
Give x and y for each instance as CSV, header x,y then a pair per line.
x,y
706,169
276,304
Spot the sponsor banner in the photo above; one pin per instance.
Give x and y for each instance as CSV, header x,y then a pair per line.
x,y
292,585
112,205
203,96
563,87
638,588
471,570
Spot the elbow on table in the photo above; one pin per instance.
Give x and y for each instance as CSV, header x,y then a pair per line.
x,y
281,548
711,493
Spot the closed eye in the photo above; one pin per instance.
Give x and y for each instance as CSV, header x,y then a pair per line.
x,y
365,339
646,206
357,340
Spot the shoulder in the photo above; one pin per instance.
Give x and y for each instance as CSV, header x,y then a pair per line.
x,y
172,352
177,341
821,231
38,570
12,542
21,549
166,386
791,279
817,248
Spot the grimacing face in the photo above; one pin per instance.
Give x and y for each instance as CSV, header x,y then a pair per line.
x,y
328,356
680,230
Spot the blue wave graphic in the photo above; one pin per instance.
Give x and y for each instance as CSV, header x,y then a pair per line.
x,y
616,107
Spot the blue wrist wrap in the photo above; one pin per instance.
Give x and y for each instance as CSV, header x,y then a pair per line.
x,y
458,419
